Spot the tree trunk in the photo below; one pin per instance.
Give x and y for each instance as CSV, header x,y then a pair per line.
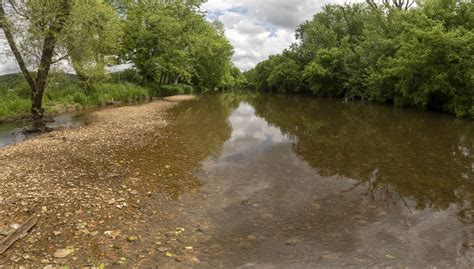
x,y
49,44
43,71
16,52
166,78
161,78
37,110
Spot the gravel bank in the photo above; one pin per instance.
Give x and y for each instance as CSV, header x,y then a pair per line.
x,y
80,185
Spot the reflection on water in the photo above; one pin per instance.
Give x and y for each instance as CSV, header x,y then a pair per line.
x,y
424,156
251,133
305,182
12,133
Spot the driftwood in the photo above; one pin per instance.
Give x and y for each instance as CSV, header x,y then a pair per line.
x,y
17,234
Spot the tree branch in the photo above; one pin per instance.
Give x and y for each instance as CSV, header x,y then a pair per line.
x,y
16,52
12,5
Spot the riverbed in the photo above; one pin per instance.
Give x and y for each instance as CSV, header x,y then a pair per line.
x,y
276,181
309,183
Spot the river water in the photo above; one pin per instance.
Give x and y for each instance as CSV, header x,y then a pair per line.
x,y
297,182
276,181
13,133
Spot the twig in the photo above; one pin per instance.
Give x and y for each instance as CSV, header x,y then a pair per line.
x,y
19,233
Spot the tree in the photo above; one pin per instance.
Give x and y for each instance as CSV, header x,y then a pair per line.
x,y
394,52
41,33
399,4
172,41
92,46
46,19
211,53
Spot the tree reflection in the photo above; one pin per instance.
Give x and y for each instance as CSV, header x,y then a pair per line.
x,y
424,156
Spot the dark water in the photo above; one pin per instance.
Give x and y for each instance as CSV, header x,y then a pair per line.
x,y
303,183
12,133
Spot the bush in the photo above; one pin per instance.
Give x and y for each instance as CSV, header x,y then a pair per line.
x,y
12,105
104,93
168,90
65,91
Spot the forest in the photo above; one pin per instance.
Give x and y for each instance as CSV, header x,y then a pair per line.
x,y
171,45
402,53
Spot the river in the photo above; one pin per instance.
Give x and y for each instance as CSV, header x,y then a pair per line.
x,y
278,181
297,182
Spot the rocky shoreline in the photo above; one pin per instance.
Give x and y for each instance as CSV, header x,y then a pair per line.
x,y
82,186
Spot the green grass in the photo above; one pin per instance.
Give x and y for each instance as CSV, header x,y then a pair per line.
x,y
66,92
168,90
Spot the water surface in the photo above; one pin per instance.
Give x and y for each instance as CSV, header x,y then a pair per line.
x,y
13,133
304,183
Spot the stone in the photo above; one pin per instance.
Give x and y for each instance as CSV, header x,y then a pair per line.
x,y
63,253
132,238
293,241
162,249
112,234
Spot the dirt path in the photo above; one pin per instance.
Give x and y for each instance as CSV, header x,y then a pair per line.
x,y
84,187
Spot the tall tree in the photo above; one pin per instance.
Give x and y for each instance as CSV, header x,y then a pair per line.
x,y
45,20
171,41
41,33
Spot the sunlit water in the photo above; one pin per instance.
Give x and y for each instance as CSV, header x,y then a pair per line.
x,y
304,183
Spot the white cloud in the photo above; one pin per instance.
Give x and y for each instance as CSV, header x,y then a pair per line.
x,y
258,29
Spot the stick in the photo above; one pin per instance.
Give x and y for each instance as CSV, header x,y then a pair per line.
x,y
17,234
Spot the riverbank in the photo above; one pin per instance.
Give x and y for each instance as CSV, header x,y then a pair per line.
x,y
65,93
82,186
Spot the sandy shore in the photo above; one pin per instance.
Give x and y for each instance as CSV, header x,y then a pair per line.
x,y
80,185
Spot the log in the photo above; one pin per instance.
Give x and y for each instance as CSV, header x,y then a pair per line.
x,y
19,233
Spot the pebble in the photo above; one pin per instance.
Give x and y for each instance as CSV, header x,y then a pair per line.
x,y
63,253
132,238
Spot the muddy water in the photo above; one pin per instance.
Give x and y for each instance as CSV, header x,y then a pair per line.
x,y
305,183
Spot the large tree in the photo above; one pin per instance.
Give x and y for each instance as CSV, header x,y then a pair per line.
x,y
171,41
41,33
385,51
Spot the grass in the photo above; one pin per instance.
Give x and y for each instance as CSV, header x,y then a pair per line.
x,y
65,92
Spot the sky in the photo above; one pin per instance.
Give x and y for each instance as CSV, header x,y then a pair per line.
x,y
256,28
260,28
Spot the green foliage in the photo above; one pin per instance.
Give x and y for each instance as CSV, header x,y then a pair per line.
x,y
168,90
421,57
171,41
90,46
66,92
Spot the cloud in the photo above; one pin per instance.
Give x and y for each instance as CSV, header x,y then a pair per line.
x,y
258,29
8,67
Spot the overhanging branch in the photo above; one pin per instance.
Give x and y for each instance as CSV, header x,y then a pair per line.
x,y
13,46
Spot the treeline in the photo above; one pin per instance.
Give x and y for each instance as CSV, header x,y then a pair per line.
x,y
169,43
393,52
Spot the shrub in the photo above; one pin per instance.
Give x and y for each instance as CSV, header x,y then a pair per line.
x,y
12,105
168,90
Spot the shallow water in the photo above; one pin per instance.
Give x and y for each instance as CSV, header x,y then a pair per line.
x,y
298,182
12,133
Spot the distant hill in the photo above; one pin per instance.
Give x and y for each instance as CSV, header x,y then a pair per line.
x,y
10,81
